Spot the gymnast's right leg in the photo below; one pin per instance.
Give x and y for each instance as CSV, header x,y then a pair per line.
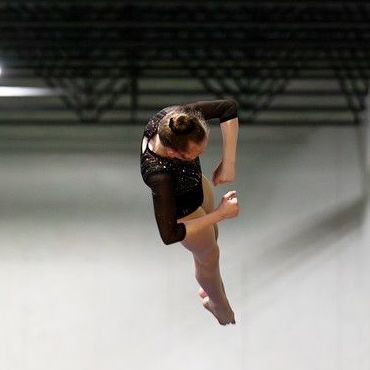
x,y
206,254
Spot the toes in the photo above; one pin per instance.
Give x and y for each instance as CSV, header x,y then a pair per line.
x,y
209,306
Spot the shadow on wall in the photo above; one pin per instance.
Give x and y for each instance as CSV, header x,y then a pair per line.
x,y
322,234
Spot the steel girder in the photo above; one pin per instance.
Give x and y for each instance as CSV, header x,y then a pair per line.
x,y
97,51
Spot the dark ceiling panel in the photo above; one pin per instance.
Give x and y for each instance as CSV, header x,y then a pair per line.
x,y
78,45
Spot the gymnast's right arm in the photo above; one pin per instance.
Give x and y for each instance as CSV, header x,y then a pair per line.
x,y
172,231
165,208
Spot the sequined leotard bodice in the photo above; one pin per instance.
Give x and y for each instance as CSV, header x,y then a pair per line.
x,y
177,184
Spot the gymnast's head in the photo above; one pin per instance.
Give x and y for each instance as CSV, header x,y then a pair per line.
x,y
184,134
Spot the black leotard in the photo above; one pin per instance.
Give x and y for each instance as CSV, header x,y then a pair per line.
x,y
177,184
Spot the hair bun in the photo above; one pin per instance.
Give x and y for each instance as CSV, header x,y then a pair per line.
x,y
182,125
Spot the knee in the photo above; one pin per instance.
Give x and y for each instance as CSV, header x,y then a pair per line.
x,y
209,259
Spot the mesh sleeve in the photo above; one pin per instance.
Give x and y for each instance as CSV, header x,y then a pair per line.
x,y
223,109
165,208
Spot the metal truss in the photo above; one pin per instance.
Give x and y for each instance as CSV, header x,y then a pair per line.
x,y
95,52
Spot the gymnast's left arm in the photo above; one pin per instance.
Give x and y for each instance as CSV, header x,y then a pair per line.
x,y
226,111
225,172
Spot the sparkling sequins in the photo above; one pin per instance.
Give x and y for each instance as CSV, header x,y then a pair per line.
x,y
187,175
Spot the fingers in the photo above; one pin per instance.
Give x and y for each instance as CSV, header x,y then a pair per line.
x,y
230,195
219,180
229,205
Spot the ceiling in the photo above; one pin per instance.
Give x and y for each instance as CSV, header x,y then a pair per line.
x,y
115,61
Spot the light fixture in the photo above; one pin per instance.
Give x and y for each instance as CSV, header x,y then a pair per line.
x,y
27,91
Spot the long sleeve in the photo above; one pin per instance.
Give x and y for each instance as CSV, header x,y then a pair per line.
x,y
223,109
165,209
226,112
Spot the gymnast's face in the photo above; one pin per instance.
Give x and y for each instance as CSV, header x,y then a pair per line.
x,y
194,150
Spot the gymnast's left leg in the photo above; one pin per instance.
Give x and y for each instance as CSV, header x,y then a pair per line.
x,y
206,259
208,200
208,206
205,251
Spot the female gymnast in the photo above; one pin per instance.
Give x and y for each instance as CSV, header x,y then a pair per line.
x,y
173,140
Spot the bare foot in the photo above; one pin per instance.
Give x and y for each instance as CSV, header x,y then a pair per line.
x,y
224,314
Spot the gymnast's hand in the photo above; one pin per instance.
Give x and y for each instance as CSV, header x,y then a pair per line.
x,y
224,173
229,206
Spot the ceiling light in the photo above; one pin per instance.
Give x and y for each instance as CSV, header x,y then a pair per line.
x,y
27,91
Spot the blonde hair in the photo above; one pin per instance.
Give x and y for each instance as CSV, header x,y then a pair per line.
x,y
181,127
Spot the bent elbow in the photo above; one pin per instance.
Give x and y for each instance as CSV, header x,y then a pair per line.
x,y
173,235
230,110
233,104
168,240
233,108
171,238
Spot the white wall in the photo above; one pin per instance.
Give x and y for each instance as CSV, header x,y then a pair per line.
x,y
86,283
